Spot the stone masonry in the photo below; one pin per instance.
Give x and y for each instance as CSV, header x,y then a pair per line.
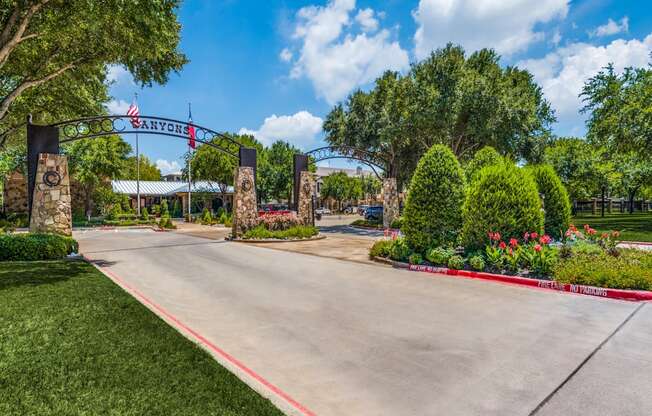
x,y
245,212
51,212
306,189
15,194
390,201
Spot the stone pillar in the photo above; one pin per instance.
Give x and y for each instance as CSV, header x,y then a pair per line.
x,y
15,194
51,212
245,212
304,205
390,201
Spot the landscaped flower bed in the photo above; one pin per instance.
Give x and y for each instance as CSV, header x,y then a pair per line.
x,y
284,226
581,258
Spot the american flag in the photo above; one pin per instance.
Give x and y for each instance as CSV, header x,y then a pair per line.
x,y
191,130
134,114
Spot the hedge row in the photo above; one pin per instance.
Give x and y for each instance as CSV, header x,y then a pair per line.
x,y
30,247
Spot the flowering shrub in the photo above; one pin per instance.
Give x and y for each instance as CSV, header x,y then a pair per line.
x,y
278,222
533,253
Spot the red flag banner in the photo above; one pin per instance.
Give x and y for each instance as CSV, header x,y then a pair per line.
x,y
134,115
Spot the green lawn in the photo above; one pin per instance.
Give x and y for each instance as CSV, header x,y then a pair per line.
x,y
72,343
634,227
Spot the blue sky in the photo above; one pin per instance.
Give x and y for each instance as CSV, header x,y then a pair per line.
x,y
275,68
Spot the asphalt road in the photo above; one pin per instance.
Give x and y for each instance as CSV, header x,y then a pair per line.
x,y
345,338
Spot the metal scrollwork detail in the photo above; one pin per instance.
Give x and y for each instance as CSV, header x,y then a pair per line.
x,y
51,178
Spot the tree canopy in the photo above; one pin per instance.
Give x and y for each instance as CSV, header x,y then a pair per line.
x,y
148,170
276,172
55,54
341,187
464,102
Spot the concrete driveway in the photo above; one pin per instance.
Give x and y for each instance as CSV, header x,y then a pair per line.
x,y
344,338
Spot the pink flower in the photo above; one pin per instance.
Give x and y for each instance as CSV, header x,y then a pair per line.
x,y
545,239
586,227
534,235
590,231
615,234
537,248
502,245
605,235
526,236
513,242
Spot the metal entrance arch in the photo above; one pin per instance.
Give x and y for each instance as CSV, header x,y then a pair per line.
x,y
373,160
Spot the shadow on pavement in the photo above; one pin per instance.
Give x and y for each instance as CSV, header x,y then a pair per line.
x,y
347,229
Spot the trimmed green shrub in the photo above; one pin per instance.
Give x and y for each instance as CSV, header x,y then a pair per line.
x,y
487,156
206,217
556,203
503,199
433,214
144,214
176,210
299,231
29,247
415,258
397,223
631,269
439,255
380,248
477,263
399,250
456,262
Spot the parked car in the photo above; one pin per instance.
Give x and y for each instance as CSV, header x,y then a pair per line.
x,y
350,209
323,211
273,209
362,209
374,213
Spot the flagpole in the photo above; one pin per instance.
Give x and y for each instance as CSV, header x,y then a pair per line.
x,y
137,166
189,176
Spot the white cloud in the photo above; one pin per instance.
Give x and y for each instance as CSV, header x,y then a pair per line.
x,y
300,129
366,19
612,28
166,167
505,25
117,107
562,73
117,74
334,58
285,55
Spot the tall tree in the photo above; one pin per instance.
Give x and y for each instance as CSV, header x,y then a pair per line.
x,y
54,54
341,187
619,108
94,162
463,102
635,173
148,170
276,173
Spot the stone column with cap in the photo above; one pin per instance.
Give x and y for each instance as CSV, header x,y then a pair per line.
x,y
245,212
390,201
304,206
51,210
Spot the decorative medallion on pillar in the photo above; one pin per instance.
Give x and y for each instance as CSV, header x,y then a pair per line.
x,y
304,205
390,201
245,212
51,212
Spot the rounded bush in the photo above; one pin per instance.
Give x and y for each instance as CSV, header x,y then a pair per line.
x,y
456,262
556,203
433,214
415,258
29,247
439,255
381,248
477,263
487,156
503,199
399,251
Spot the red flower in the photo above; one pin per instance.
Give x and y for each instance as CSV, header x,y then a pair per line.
x,y
605,235
537,248
545,239
615,234
534,235
590,231
502,245
513,242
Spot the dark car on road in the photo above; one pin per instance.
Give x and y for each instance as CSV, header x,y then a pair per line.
x,y
374,213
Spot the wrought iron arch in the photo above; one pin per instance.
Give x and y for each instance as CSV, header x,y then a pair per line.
x,y
98,126
373,160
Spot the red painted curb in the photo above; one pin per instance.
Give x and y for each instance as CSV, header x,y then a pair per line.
x,y
175,322
631,295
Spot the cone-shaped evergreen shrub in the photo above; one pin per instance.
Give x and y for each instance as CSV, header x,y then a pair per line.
x,y
487,156
502,199
556,204
433,211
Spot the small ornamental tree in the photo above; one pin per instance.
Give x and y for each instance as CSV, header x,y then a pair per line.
x,y
487,156
502,199
433,210
556,204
